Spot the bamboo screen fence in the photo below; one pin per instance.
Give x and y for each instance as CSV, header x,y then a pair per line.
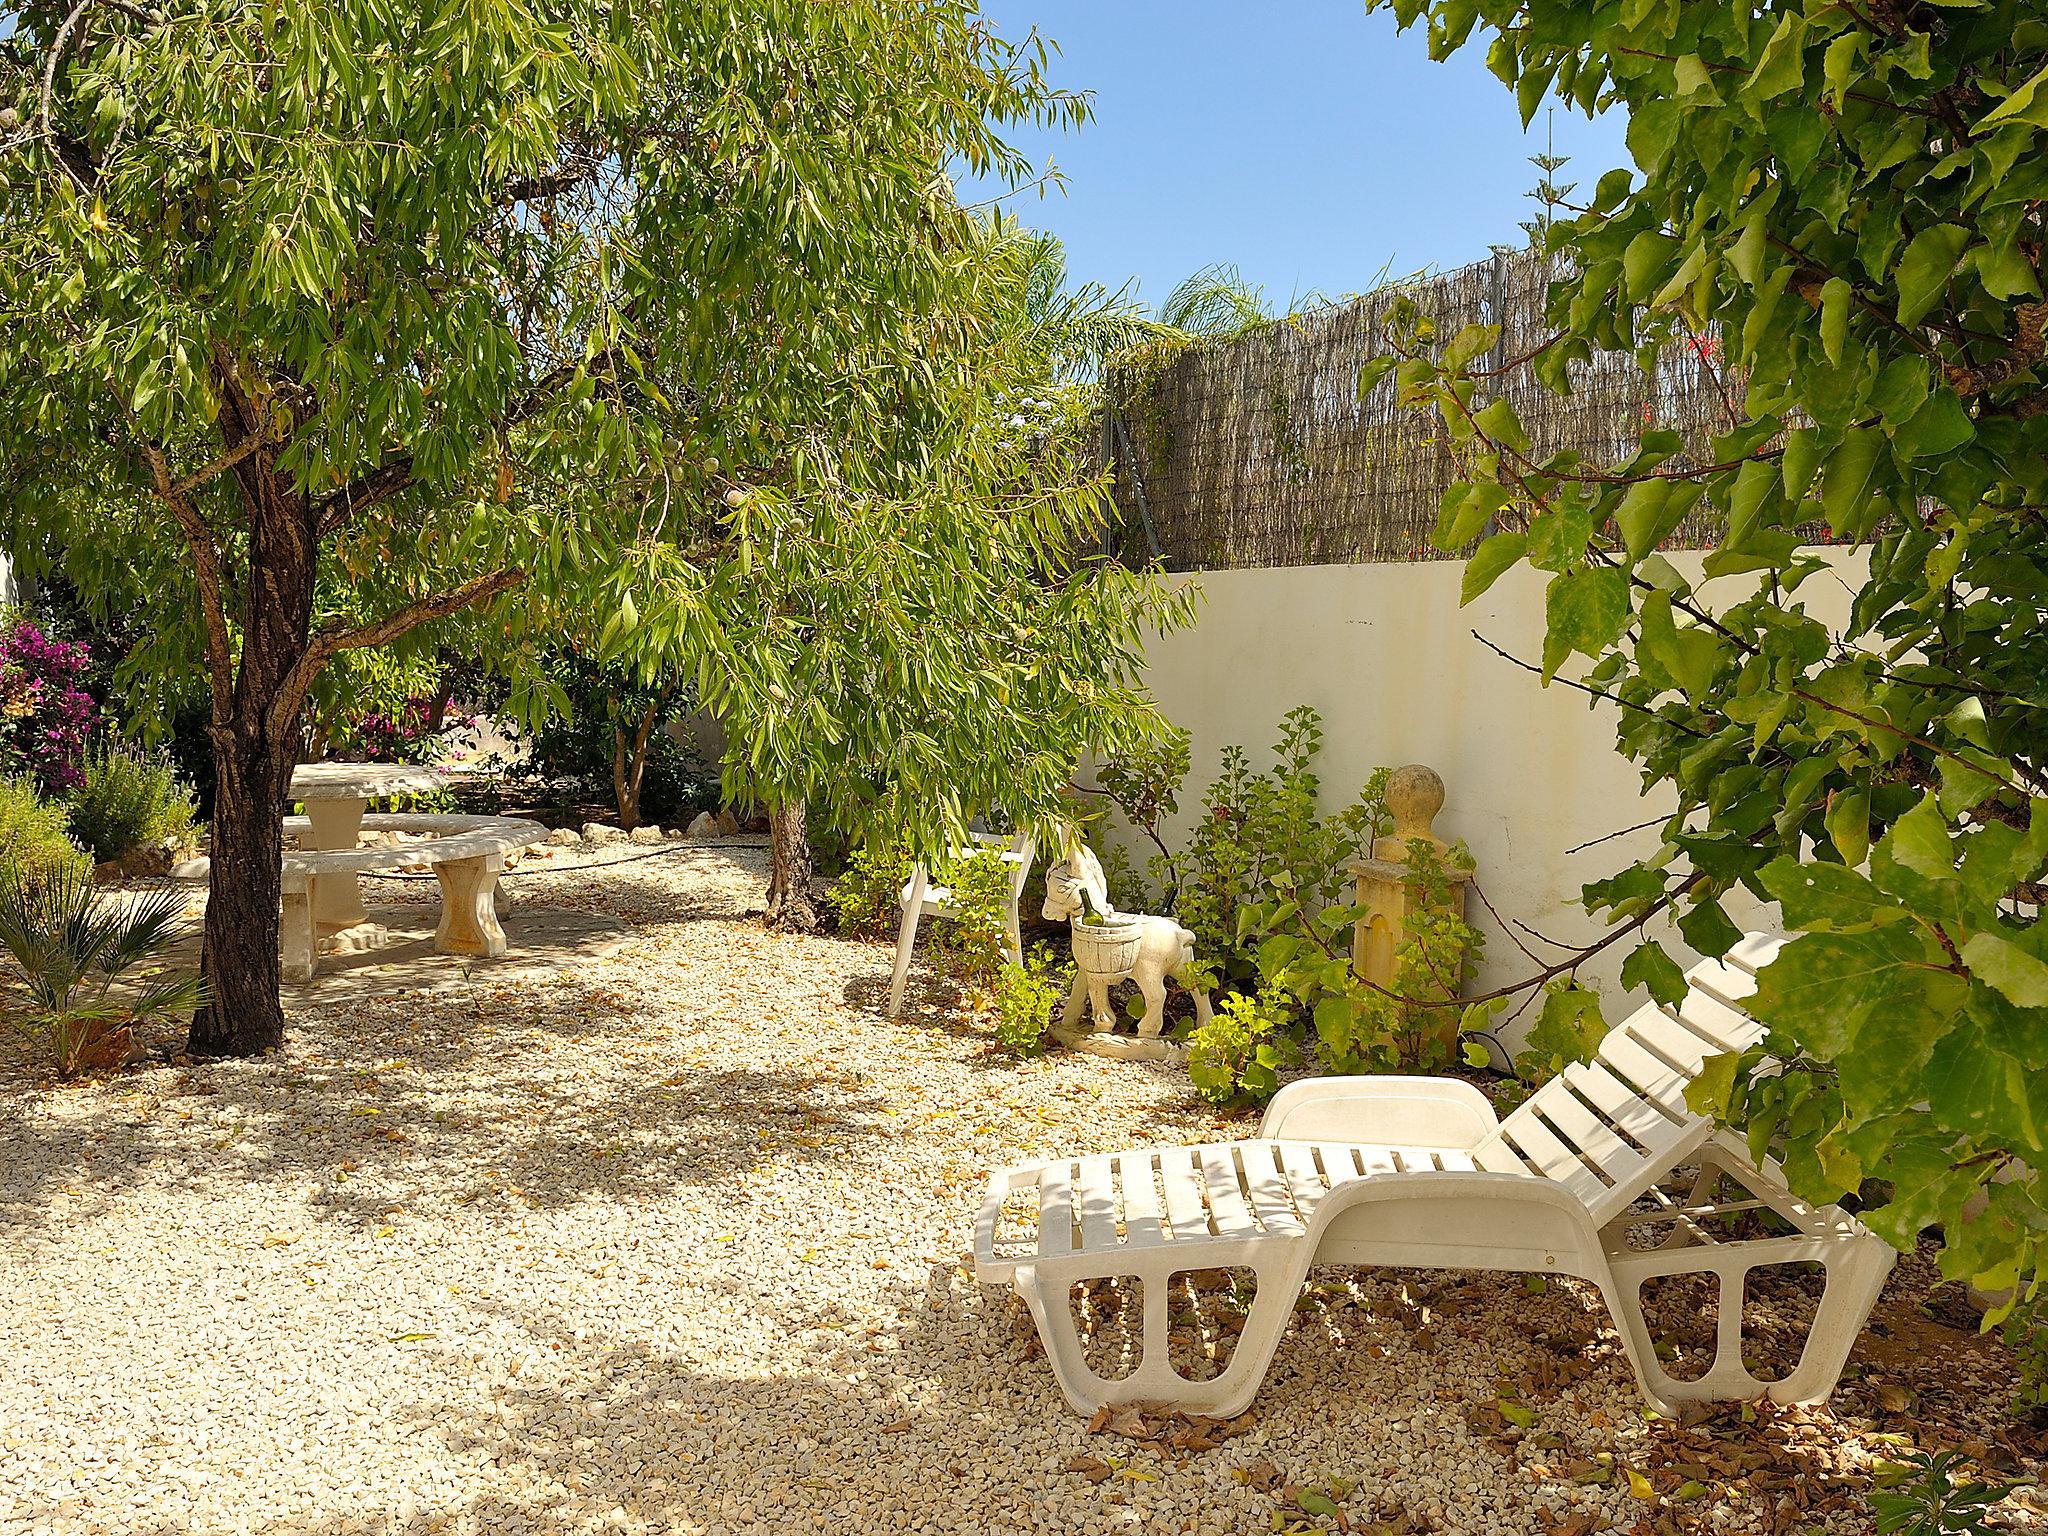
x,y
1260,451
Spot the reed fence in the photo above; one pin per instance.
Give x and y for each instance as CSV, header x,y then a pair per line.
x,y
1262,451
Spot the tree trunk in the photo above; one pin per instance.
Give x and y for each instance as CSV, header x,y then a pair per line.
x,y
243,1015
255,745
625,785
789,870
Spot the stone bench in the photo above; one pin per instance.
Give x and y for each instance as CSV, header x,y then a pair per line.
x,y
466,854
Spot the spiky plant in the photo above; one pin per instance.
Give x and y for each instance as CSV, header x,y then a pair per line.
x,y
74,947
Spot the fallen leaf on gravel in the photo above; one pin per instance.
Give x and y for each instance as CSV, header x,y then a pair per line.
x,y
900,1427
1260,1476
280,1239
1094,1468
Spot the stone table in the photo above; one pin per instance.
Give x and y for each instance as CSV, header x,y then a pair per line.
x,y
335,796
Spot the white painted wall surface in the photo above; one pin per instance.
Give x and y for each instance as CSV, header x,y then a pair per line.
x,y
1387,655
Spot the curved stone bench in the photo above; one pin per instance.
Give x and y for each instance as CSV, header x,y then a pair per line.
x,y
466,853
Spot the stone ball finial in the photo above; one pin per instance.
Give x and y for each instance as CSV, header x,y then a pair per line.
x,y
1414,795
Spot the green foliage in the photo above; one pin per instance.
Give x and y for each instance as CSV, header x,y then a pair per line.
x,y
1568,1030
330,328
1835,214
74,946
1144,781
35,846
1026,997
129,801
975,940
1238,1056
1263,852
866,899
1926,1494
1412,1026
609,743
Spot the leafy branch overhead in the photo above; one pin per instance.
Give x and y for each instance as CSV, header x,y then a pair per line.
x,y
1841,207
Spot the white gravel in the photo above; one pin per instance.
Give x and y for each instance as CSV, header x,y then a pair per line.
x,y
676,1242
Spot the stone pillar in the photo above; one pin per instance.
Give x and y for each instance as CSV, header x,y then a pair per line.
x,y
1385,887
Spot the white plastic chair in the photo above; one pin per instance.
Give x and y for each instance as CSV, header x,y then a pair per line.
x,y
922,899
1603,1173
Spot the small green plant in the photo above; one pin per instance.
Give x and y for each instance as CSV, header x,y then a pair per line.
x,y
1145,781
865,899
975,942
128,801
34,843
1238,1056
1263,852
1026,996
1925,1495
74,947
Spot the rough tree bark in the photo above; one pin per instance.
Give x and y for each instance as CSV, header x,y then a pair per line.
x,y
789,870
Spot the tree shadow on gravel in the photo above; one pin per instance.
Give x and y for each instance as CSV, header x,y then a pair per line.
x,y
373,1142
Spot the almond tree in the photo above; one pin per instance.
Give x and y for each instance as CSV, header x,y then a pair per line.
x,y
321,324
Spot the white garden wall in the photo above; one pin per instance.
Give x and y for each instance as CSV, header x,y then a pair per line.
x,y
1387,655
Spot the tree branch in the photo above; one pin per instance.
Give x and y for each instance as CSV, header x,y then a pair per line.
x,y
334,509
250,442
331,642
220,662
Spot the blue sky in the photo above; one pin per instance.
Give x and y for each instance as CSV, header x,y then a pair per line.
x,y
1306,142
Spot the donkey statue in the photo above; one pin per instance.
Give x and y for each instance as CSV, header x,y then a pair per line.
x,y
1164,947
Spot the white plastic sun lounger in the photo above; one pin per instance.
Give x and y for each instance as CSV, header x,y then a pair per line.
x,y
1603,1173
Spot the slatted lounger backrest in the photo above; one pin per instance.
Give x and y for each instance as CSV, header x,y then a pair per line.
x,y
1609,1130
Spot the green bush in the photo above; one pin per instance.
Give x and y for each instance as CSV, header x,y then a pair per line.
x,y
975,941
1238,1056
1026,996
128,801
34,848
866,898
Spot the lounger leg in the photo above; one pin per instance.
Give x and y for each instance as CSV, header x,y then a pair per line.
x,y
1854,1281
469,917
1626,1309
1229,1394
1155,1380
295,936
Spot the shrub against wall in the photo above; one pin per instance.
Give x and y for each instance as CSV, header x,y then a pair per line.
x,y
127,801
34,845
45,712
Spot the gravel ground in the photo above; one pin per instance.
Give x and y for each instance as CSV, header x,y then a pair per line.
x,y
676,1241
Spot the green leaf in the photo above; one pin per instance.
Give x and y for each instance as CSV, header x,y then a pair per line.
x,y
1835,294
1648,966
1374,369
1845,493
2027,104
1779,68
1998,960
1940,426
1584,611
1501,425
1827,898
1488,562
1919,840
1712,1089
1707,928
1848,824
1648,513
1924,270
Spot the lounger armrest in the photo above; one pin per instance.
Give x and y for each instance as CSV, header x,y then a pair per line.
x,y
1385,1111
